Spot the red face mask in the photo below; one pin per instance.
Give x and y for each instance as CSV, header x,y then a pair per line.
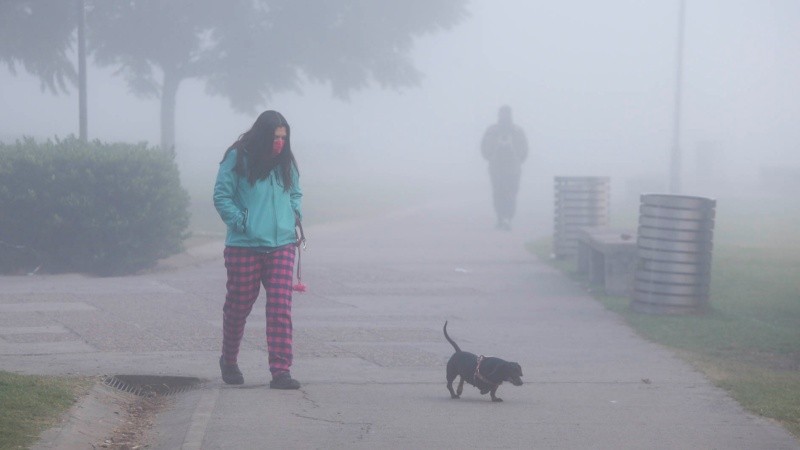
x,y
277,147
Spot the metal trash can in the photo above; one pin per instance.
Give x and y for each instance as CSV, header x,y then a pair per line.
x,y
579,202
674,246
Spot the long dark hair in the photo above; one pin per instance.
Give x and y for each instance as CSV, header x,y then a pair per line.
x,y
254,158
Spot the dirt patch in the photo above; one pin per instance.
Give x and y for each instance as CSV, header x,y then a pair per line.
x,y
138,418
151,395
118,412
92,421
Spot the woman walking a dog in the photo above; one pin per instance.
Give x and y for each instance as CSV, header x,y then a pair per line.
x,y
257,194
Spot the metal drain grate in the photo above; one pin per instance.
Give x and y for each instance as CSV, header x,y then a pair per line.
x,y
152,385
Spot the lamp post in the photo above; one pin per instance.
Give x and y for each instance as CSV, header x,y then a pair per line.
x,y
82,110
675,154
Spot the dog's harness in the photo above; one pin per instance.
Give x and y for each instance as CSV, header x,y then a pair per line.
x,y
479,376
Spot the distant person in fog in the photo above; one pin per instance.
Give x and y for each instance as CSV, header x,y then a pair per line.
x,y
505,147
258,196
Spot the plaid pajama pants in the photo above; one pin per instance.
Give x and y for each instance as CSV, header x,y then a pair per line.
x,y
247,271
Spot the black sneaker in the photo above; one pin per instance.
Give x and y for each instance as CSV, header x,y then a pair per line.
x,y
230,373
284,381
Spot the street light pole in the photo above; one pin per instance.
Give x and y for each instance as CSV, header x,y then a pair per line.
x,y
675,155
82,109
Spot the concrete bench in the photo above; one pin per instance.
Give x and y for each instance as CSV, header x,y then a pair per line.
x,y
608,256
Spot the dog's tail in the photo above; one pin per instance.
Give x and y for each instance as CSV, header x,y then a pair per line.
x,y
455,346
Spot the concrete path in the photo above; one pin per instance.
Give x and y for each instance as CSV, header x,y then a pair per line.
x,y
370,351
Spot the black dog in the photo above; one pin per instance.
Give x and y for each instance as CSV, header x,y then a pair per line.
x,y
485,373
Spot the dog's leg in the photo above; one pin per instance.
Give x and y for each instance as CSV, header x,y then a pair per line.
x,y
460,386
452,373
494,397
450,388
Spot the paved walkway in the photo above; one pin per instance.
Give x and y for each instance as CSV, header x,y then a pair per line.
x,y
370,351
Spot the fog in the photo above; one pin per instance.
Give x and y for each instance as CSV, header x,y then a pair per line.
x,y
592,84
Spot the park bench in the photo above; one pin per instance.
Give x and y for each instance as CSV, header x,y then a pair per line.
x,y
608,257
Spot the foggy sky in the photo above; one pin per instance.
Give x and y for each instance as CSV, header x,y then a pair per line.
x,y
592,83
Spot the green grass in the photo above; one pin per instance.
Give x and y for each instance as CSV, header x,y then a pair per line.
x,y
31,404
748,342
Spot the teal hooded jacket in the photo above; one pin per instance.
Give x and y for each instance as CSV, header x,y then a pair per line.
x,y
258,215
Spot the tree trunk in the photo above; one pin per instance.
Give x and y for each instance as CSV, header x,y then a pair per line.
x,y
169,92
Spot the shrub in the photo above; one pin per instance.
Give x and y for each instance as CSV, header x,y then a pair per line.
x,y
100,208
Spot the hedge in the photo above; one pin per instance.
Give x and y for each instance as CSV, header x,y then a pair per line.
x,y
98,208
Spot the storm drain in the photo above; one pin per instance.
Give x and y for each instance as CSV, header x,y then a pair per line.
x,y
152,385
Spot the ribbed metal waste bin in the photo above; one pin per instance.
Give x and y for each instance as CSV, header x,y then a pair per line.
x,y
674,250
579,202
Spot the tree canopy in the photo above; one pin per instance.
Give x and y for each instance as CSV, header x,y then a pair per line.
x,y
38,35
243,50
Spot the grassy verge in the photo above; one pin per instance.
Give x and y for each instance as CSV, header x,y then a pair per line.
x,y
31,404
749,342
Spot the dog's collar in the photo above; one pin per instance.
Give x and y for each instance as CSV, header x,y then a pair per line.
x,y
479,376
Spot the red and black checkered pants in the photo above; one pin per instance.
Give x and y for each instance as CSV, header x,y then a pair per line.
x,y
247,271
